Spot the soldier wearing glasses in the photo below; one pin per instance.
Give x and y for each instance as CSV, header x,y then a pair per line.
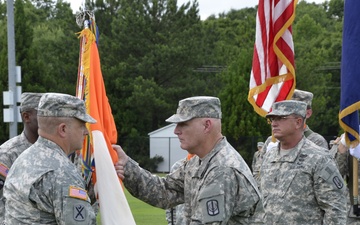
x,y
300,182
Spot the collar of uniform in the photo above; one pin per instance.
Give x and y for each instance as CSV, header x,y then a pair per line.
x,y
51,145
291,157
204,163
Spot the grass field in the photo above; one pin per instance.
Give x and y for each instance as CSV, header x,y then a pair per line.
x,y
144,214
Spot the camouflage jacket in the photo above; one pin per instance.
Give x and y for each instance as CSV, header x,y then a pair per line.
x,y
316,138
9,151
303,187
44,187
175,214
217,189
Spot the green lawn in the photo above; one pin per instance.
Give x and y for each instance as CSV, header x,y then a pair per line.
x,y
144,214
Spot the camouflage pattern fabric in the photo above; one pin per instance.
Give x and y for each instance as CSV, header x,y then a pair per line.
x,y
257,166
196,107
303,187
342,160
303,96
63,105
29,101
288,107
313,136
44,187
217,189
316,138
174,214
9,151
257,156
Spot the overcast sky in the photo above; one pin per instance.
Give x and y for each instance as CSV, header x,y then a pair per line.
x,y
207,7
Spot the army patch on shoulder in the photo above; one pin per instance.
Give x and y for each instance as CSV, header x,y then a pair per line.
x,y
212,207
79,193
79,212
338,183
4,170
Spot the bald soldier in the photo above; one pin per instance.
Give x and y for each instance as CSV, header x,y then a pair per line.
x,y
300,182
215,185
43,186
11,149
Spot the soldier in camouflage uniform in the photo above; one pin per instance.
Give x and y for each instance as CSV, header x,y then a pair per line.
x,y
216,185
11,149
257,156
174,214
303,96
300,182
343,159
43,186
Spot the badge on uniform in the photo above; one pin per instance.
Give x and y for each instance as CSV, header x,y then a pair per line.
x,y
79,193
3,170
212,207
79,212
338,183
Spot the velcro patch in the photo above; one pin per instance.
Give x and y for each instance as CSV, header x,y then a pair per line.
x,y
79,193
79,212
4,170
212,207
338,183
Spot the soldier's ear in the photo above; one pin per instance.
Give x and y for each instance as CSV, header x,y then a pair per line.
x,y
308,113
25,116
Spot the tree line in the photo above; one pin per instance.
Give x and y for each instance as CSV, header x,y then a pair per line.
x,y
154,53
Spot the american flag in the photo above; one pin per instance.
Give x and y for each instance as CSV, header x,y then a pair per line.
x,y
76,192
273,70
3,170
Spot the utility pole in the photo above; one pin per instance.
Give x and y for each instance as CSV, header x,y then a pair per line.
x,y
12,94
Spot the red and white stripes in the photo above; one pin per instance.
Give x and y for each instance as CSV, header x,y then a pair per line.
x,y
273,71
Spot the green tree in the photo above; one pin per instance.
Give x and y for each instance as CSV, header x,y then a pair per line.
x,y
150,59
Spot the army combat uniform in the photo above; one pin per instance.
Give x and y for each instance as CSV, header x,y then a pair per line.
x,y
175,214
12,148
316,138
302,187
217,189
44,187
9,151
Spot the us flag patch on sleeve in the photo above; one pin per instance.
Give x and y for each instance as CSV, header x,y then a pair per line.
x,y
79,193
3,170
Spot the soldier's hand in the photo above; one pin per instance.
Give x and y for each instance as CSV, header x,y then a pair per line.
x,y
122,160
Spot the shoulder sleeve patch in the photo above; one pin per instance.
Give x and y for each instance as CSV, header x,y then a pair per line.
x,y
79,193
332,175
327,172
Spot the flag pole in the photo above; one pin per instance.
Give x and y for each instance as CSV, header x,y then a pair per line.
x,y
355,183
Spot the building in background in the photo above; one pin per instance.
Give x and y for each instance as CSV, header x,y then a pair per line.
x,y
164,143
